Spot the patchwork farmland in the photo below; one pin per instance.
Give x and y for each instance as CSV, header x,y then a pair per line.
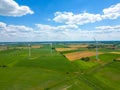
x,y
78,55
59,67
65,49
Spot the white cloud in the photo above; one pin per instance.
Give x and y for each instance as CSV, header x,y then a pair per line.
x,y
65,32
14,29
109,29
11,8
2,26
63,27
48,32
80,19
17,28
112,12
55,33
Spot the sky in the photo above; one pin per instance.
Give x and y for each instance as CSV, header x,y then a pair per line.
x,y
59,20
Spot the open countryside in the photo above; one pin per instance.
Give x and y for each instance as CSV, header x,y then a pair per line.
x,y
19,71
59,44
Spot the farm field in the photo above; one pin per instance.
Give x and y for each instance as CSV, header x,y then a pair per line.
x,y
49,69
78,45
65,49
78,55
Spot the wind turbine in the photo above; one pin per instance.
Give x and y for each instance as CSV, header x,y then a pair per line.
x,y
29,50
96,49
51,47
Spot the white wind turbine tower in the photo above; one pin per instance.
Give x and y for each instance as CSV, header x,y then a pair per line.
x,y
51,47
96,49
29,50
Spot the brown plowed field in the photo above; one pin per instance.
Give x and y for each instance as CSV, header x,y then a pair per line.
x,y
78,55
33,46
118,59
78,46
36,46
64,49
115,52
2,49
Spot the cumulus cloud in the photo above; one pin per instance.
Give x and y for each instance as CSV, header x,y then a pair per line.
x,y
14,29
11,8
113,12
75,33
115,28
49,27
17,28
80,19
108,27
64,32
2,26
54,32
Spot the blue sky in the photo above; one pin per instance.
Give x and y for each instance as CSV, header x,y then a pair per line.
x,y
59,20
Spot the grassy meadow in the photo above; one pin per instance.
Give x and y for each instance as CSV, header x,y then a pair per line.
x,y
51,70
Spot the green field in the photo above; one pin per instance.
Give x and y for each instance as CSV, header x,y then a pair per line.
x,y
46,70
